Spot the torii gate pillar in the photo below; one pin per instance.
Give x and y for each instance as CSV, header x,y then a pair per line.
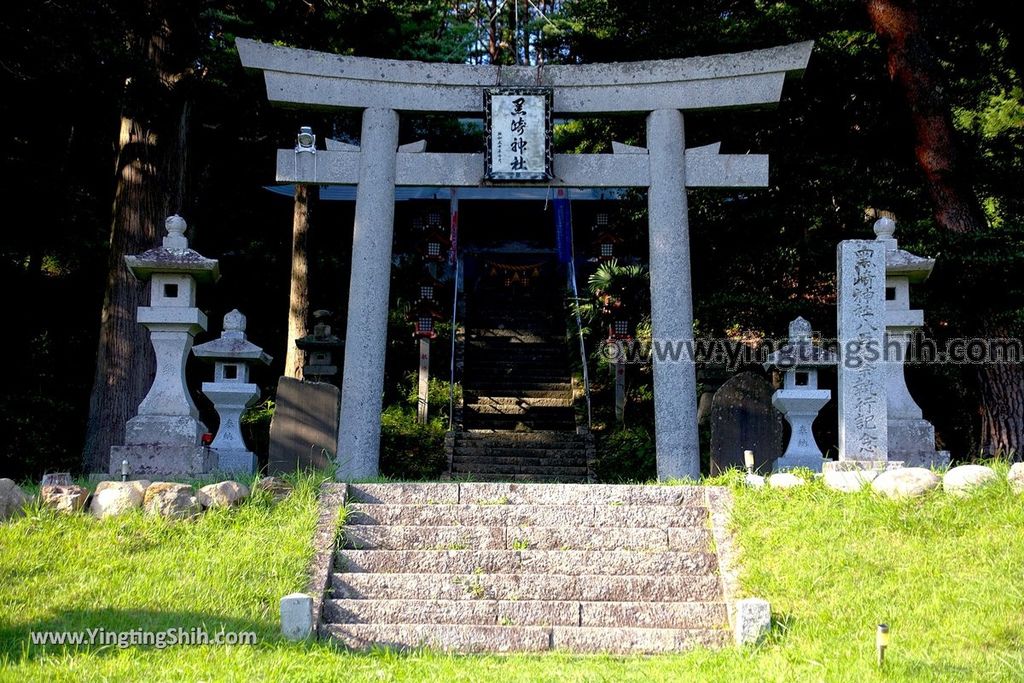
x,y
675,378
366,331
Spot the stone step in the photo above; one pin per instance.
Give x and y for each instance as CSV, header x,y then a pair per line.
x,y
517,394
559,587
519,478
569,562
455,638
525,458
510,408
532,494
510,451
548,439
526,613
578,469
377,537
496,514
516,401
471,384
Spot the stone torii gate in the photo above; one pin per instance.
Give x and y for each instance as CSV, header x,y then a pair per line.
x,y
661,89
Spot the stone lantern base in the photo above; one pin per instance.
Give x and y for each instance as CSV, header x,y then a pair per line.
x,y
162,460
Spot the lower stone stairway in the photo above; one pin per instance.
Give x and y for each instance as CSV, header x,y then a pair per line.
x,y
505,567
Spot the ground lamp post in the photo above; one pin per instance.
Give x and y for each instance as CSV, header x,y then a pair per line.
x,y
164,437
800,399
231,392
319,348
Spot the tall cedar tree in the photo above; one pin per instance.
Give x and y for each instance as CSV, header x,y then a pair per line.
x,y
151,165
914,70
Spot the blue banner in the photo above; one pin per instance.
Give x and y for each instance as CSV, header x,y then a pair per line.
x,y
563,226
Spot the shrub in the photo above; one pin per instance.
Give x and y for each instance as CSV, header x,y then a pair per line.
x,y
625,455
409,450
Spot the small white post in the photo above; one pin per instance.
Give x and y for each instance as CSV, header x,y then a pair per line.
x,y
296,616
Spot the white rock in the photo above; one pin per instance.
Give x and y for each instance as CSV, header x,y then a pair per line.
x,y
849,481
222,494
168,499
785,480
12,499
1016,477
754,481
138,485
960,480
905,482
116,497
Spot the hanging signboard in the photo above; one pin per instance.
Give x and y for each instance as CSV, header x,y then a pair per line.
x,y
517,124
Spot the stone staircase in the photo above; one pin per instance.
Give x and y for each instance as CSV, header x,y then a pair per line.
x,y
518,418
488,567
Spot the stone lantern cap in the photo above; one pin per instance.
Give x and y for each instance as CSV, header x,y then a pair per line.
x,y
322,339
800,351
232,344
174,256
897,261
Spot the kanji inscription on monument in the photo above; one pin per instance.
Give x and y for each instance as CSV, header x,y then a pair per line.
x,y
863,427
518,129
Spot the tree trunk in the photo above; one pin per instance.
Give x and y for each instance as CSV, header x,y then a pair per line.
x,y
298,298
914,69
150,174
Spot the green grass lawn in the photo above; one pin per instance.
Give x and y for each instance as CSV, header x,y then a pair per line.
x,y
946,574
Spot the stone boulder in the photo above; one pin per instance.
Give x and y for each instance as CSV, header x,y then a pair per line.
x,y
785,480
907,482
849,481
755,481
117,497
1016,477
223,494
960,481
275,486
168,499
64,498
12,499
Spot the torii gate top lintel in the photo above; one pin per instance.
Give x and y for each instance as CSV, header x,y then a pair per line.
x,y
323,79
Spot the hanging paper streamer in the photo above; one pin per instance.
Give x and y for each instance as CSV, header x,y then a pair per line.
x,y
563,226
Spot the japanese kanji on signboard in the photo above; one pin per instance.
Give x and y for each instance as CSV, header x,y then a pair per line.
x,y
518,130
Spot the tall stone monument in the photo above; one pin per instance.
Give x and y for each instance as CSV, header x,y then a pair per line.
x,y
911,437
861,318
800,399
743,419
231,391
164,438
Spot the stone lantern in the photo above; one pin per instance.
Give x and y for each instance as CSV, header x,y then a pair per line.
x,y
911,437
319,348
164,438
230,390
800,399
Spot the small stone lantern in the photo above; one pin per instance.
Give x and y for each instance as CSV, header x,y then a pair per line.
x,y
911,437
164,438
800,399
231,392
319,348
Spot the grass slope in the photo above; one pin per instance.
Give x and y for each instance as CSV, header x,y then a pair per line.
x,y
946,574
